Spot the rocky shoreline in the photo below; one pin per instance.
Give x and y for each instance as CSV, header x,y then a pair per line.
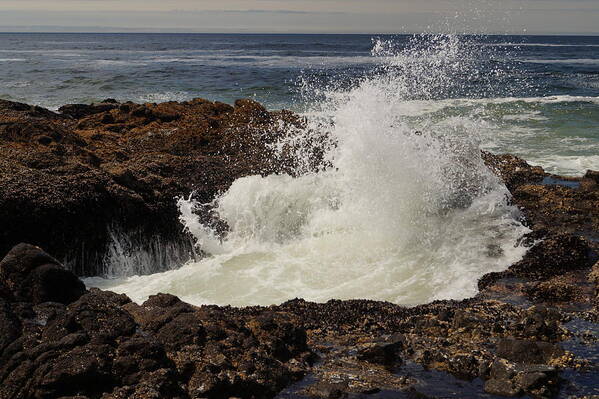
x,y
532,330
116,168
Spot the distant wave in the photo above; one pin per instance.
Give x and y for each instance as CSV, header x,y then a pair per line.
x,y
539,45
544,99
269,61
586,61
119,62
420,107
567,165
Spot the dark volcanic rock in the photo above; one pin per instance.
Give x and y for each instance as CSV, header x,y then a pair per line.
x,y
594,279
513,171
67,179
384,351
550,203
539,323
556,254
528,352
509,379
103,345
560,209
553,290
31,275
593,175
328,390
10,326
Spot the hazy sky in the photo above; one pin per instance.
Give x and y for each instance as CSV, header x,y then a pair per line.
x,y
352,16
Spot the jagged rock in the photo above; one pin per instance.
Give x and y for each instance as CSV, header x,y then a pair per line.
x,y
464,319
593,175
510,379
527,352
97,315
31,275
513,171
384,351
558,209
556,254
553,290
328,390
551,254
79,111
10,326
174,323
594,278
166,348
539,322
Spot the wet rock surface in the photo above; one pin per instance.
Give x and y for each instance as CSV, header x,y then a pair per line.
x,y
532,330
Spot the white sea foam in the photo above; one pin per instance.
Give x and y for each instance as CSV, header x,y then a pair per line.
x,y
164,97
572,165
400,215
19,84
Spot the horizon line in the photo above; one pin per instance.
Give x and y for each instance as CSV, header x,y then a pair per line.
x,y
183,32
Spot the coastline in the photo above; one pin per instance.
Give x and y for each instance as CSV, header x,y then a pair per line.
x,y
93,166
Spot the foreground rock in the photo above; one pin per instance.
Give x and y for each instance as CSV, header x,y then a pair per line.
x,y
98,344
112,167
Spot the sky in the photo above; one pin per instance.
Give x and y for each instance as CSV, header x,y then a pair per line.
x,y
303,16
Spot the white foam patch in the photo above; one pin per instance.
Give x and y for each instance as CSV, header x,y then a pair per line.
x,y
573,165
164,97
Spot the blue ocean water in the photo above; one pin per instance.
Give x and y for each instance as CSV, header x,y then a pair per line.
x,y
539,95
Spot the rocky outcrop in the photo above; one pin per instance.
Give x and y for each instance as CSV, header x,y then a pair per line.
x,y
512,170
92,168
551,255
550,203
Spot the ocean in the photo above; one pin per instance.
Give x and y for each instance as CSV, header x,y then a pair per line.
x,y
406,211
